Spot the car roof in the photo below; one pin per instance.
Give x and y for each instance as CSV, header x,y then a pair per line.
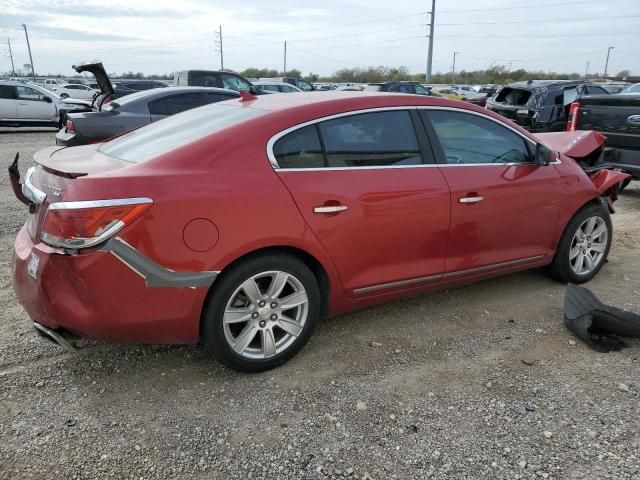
x,y
161,92
532,84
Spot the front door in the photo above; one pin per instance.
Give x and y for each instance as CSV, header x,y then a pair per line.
x,y
503,206
369,191
33,106
8,102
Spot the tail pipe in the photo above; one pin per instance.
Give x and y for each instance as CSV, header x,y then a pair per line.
x,y
64,340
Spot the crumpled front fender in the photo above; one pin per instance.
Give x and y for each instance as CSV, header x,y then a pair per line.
x,y
604,180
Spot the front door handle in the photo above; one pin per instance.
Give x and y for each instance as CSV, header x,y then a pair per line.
x,y
475,199
330,209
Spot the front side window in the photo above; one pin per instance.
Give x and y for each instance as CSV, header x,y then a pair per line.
x,y
7,92
371,139
420,90
304,86
471,139
235,83
26,93
299,149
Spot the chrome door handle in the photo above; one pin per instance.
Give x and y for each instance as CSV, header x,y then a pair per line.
x,y
23,103
330,209
471,199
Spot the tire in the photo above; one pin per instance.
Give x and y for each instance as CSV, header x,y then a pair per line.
x,y
594,250
239,325
64,95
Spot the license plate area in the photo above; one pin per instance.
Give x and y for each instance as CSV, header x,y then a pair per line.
x,y
32,266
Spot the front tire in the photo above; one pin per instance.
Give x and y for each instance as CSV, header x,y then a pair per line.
x,y
64,95
261,312
584,245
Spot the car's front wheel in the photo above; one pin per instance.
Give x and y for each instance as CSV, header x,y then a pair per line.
x,y
261,312
64,95
584,245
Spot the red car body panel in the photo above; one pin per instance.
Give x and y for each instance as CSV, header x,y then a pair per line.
x,y
403,226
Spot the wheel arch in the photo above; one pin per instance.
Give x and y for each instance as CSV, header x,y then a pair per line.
x,y
591,201
316,267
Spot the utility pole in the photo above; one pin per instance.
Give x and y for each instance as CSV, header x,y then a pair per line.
x,y
606,65
453,68
430,36
218,44
33,69
13,69
284,70
586,70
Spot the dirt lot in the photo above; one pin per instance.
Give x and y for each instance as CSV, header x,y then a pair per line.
x,y
465,386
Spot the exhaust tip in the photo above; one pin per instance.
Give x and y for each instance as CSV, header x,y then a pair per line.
x,y
57,338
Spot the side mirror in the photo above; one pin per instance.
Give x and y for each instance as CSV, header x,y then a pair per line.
x,y
543,155
47,99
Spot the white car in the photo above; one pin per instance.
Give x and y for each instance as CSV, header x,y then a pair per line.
x,y
276,87
51,83
32,105
74,90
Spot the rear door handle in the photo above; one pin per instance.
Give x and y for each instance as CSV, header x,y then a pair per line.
x,y
471,199
330,209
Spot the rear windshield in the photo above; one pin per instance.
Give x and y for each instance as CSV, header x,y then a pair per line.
x,y
176,131
513,96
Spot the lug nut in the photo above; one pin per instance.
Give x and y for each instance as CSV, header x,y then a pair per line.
x,y
262,323
254,315
262,303
274,317
274,304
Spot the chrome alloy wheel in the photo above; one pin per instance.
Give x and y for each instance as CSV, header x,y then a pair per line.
x,y
265,315
588,245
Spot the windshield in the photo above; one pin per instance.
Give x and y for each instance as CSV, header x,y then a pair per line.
x,y
176,131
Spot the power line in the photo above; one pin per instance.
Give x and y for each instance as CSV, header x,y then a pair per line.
x,y
517,7
519,22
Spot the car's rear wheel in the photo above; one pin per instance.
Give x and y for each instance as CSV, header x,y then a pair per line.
x,y
64,95
261,312
584,245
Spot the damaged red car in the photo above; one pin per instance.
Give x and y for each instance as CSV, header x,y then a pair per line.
x,y
240,224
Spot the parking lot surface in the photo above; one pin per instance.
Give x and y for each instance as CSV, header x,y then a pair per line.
x,y
478,382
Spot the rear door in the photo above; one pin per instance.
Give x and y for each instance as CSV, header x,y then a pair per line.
x,y
33,106
8,102
368,188
503,206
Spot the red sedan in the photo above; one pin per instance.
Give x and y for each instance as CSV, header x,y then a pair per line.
x,y
240,224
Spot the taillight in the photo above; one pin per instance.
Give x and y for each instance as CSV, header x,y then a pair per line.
x,y
77,225
574,113
70,127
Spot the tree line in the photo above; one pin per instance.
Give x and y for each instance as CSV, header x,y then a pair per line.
x,y
499,74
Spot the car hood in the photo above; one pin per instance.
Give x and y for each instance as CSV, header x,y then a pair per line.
x,y
577,144
106,88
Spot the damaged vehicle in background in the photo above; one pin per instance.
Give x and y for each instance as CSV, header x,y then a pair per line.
x,y
540,105
618,118
240,224
135,110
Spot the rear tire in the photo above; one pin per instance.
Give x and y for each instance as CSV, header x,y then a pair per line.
x,y
584,245
64,95
261,312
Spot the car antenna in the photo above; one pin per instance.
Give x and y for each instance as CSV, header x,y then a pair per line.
x,y
246,96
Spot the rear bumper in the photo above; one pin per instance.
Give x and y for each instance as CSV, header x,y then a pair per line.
x,y
65,139
95,295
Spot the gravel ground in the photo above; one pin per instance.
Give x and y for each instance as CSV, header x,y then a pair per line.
x,y
479,382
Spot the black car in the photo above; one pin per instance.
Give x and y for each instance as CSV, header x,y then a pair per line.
x,y
618,118
135,110
127,87
213,78
402,87
540,105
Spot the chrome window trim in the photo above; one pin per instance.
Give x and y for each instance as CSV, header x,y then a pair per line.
x,y
30,191
116,202
274,163
279,135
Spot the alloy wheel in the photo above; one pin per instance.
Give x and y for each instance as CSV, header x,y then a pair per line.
x,y
588,245
265,315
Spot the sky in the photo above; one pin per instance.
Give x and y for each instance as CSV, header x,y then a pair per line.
x,y
162,36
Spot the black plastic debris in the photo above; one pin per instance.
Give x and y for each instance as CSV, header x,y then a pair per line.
x,y
595,323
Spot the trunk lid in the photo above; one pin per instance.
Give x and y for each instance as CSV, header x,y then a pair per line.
x,y
98,71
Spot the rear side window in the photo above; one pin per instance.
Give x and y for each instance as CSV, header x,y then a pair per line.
x,y
299,149
176,131
371,139
471,139
176,104
7,91
235,83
